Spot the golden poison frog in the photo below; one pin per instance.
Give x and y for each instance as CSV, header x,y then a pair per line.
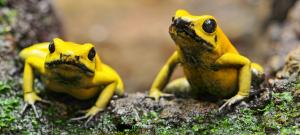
x,y
71,68
212,66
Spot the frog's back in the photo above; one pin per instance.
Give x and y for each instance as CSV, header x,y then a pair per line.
x,y
38,50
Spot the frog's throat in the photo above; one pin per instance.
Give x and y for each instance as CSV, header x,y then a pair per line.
x,y
54,64
182,26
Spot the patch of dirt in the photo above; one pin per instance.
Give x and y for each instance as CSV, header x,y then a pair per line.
x,y
176,109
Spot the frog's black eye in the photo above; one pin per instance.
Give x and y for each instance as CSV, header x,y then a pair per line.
x,y
209,25
51,47
92,54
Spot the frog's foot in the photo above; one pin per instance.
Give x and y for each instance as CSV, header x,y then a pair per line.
x,y
156,95
30,99
232,101
89,114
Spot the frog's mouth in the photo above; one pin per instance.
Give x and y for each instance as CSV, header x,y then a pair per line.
x,y
72,64
181,27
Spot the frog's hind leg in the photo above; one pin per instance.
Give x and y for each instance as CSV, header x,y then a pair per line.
x,y
180,87
120,87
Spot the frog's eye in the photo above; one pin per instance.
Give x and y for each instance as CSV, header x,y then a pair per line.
x,y
51,47
92,54
209,25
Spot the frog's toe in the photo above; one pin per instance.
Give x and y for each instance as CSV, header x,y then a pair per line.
x,y
33,107
167,95
89,114
24,108
30,100
86,116
88,120
46,101
79,118
157,95
35,111
231,101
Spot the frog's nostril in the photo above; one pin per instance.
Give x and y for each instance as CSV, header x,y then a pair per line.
x,y
64,56
177,22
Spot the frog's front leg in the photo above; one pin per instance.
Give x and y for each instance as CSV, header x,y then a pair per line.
x,y
30,97
100,104
163,78
112,82
244,76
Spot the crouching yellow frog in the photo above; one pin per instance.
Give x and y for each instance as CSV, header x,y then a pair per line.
x,y
71,68
213,68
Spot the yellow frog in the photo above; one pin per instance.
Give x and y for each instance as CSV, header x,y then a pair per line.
x,y
213,68
71,68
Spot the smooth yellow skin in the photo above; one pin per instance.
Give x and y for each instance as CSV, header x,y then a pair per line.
x,y
67,78
218,71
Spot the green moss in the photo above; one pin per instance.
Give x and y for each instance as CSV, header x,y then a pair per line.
x,y
4,87
283,97
3,3
8,105
244,122
297,86
281,113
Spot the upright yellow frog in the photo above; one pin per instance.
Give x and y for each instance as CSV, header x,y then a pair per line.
x,y
212,66
70,68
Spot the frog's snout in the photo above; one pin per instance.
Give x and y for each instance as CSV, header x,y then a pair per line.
x,y
180,24
68,57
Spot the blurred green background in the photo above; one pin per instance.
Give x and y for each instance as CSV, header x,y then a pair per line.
x,y
132,35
